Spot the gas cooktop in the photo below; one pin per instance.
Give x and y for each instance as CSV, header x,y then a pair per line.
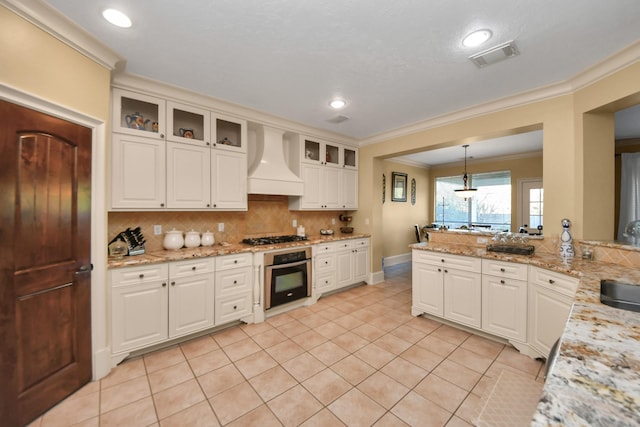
x,y
271,240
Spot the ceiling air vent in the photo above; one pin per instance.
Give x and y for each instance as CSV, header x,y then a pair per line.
x,y
495,54
338,119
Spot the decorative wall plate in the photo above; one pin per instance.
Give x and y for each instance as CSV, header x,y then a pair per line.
x,y
413,191
384,187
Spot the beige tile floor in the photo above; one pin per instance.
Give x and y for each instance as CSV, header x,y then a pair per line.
x,y
356,358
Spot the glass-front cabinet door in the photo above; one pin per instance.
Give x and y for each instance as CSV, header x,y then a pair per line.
x,y
228,133
138,114
332,154
187,124
350,157
321,153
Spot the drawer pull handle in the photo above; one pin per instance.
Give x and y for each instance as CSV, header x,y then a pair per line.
x,y
235,261
235,282
141,276
442,260
193,268
164,285
502,270
326,262
173,283
552,281
235,307
502,282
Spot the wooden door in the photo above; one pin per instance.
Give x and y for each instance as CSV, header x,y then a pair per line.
x,y
45,267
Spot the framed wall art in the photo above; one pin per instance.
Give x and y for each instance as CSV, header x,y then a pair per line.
x,y
398,187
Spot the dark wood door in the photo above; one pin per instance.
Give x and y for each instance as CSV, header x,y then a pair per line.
x,y
45,266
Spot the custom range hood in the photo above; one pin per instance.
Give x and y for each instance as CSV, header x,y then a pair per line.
x,y
269,173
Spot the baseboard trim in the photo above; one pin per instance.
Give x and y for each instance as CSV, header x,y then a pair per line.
x,y
376,277
396,259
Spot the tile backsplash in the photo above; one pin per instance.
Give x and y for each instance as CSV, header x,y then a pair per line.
x,y
267,215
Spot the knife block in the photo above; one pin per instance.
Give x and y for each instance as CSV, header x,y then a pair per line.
x,y
133,239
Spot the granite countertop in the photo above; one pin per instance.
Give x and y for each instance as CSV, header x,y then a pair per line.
x,y
596,377
221,249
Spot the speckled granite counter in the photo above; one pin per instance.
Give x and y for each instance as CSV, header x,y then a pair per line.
x,y
217,250
596,378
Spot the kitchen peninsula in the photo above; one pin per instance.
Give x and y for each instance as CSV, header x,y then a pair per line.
x,y
596,376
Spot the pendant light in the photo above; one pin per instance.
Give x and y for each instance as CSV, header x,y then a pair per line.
x,y
466,192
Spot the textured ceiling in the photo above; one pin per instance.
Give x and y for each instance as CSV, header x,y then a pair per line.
x,y
396,63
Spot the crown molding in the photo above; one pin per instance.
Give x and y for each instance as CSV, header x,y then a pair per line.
x,y
605,68
62,28
163,90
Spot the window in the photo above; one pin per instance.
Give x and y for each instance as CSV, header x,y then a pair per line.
x,y
531,206
490,206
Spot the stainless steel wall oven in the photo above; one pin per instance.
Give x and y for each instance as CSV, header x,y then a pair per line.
x,y
287,276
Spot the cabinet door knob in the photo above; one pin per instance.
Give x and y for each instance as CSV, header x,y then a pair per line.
x,y
141,276
446,271
235,307
326,262
215,206
173,283
208,205
235,261
164,285
193,268
235,282
442,260
502,269
502,282
162,135
208,143
162,205
439,269
552,281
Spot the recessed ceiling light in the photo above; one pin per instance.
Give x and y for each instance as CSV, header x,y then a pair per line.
x,y
476,38
117,18
337,104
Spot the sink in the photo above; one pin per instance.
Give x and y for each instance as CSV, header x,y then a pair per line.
x,y
620,295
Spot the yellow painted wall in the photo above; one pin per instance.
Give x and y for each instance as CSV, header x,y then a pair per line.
x,y
398,218
530,167
572,147
37,63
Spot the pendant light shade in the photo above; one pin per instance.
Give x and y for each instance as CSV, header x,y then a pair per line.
x,y
465,192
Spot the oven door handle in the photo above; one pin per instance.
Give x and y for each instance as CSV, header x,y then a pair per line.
x,y
292,264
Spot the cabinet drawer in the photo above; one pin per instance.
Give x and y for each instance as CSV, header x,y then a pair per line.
x,y
324,248
511,270
465,263
325,263
233,261
191,267
235,281
558,282
325,283
137,275
232,308
359,243
343,245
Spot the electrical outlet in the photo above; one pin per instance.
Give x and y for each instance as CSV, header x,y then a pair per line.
x,y
483,240
294,223
221,226
157,230
333,221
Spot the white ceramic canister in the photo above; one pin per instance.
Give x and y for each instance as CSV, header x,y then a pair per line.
x,y
207,239
192,239
173,240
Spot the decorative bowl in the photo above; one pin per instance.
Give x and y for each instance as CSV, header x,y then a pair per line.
x,y
326,232
346,230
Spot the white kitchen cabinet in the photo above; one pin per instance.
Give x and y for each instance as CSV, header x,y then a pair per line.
x,y
324,267
138,114
551,296
139,300
330,175
504,299
233,290
137,172
187,124
228,180
352,262
191,296
188,176
228,133
447,285
349,188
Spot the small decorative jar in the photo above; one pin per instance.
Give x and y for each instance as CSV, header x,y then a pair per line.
x,y
173,240
207,239
192,239
118,248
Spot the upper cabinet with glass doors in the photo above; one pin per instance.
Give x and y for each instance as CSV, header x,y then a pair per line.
x,y
138,114
228,133
187,124
328,153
